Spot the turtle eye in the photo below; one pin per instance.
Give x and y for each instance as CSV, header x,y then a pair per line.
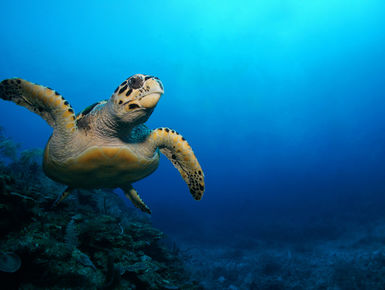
x,y
136,82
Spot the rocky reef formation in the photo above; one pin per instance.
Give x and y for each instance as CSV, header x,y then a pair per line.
x,y
89,241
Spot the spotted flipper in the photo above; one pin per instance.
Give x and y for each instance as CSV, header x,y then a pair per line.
x,y
45,102
179,152
133,195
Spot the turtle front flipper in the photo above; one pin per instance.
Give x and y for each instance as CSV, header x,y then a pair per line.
x,y
45,102
133,195
179,152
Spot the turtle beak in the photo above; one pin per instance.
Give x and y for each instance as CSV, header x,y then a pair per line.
x,y
150,100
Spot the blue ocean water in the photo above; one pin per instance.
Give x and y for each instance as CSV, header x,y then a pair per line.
x,y
282,102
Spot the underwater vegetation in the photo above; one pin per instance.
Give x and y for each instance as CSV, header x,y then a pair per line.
x,y
89,241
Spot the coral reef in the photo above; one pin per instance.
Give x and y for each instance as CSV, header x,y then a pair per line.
x,y
89,241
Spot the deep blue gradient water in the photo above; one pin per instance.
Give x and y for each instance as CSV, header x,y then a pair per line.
x,y
282,101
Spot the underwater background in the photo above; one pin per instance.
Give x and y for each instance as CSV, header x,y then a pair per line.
x,y
282,102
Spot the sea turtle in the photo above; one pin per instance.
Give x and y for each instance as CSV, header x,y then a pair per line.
x,y
107,145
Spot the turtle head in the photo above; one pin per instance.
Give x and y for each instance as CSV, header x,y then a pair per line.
x,y
135,99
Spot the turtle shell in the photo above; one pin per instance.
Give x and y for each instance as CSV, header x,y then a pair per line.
x,y
101,166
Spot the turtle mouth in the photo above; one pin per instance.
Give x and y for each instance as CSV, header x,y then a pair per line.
x,y
149,101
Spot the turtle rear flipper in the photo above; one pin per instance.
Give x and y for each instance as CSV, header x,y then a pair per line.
x,y
133,195
179,152
45,102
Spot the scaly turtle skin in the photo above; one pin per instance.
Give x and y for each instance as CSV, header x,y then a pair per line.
x,y
107,145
